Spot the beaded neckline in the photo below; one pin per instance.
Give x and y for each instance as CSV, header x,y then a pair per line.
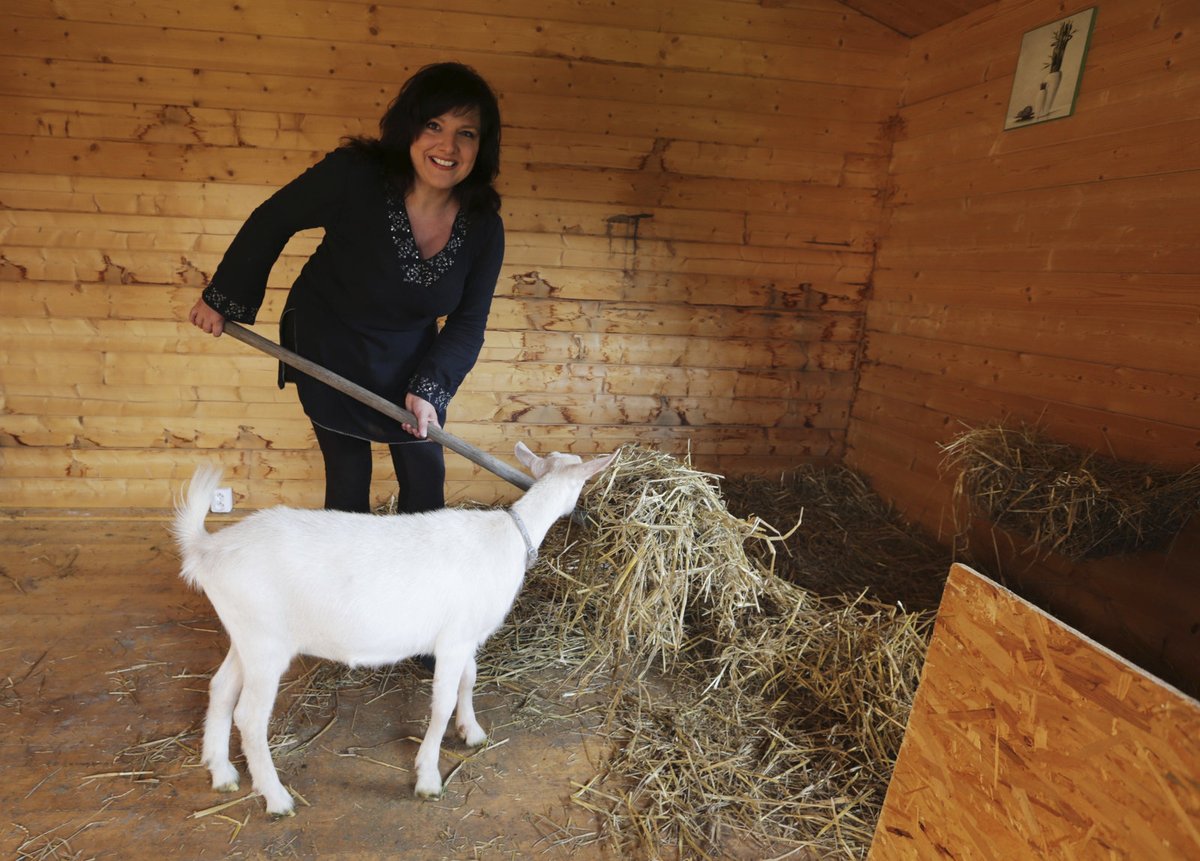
x,y
425,272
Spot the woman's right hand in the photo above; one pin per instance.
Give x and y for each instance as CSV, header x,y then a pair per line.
x,y
207,318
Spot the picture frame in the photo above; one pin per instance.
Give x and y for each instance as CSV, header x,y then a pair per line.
x,y
1049,70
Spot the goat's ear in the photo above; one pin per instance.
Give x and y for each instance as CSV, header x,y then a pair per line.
x,y
599,464
528,458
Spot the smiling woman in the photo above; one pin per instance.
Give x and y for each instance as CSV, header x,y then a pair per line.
x,y
412,234
444,153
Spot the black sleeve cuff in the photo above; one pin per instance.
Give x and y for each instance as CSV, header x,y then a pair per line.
x,y
229,308
425,388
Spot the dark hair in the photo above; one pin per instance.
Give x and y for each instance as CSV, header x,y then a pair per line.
x,y
434,90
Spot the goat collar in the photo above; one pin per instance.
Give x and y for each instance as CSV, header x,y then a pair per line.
x,y
531,553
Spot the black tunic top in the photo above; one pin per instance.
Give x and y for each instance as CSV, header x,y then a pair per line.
x,y
366,304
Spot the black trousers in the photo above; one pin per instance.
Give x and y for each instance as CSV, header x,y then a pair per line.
x,y
420,472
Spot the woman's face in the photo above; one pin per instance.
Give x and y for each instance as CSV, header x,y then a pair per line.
x,y
443,154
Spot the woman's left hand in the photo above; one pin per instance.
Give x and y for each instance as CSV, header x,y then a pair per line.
x,y
425,413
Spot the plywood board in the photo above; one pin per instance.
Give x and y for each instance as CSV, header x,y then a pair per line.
x,y
1029,740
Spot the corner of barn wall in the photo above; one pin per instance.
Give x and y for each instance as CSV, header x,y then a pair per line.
x,y
1046,275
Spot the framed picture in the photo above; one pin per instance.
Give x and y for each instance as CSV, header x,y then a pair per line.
x,y
1049,69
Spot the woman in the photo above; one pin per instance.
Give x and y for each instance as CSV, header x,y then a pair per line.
x,y
412,233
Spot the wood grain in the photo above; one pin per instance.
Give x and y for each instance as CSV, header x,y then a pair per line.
x,y
1027,739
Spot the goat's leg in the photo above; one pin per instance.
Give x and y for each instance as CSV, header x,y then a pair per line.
x,y
446,678
470,730
223,693
253,716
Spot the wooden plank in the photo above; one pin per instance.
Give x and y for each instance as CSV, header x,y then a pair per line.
x,y
791,23
1120,212
1018,727
172,123
120,196
524,252
538,251
1102,157
1146,296
594,235
1164,397
59,229
375,63
633,190
551,315
324,95
92,121
167,301
76,496
952,407
258,428
814,24
1127,342
231,425
201,360
249,466
602,40
762,163
905,471
70,229
486,377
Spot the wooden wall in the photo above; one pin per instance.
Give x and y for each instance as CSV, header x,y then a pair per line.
x,y
745,142
1047,274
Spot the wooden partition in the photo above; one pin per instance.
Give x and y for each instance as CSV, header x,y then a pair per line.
x,y
691,194
1028,740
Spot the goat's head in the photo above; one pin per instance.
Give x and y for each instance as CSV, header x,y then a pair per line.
x,y
557,461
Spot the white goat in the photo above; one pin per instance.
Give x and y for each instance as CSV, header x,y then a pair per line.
x,y
365,590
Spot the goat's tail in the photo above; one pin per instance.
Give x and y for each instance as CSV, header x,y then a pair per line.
x,y
188,526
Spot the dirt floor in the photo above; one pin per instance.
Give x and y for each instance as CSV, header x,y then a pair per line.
x,y
104,656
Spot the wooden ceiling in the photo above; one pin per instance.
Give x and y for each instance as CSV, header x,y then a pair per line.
x,y
914,17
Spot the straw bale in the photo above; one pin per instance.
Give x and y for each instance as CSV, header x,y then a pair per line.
x,y
745,709
664,560
787,736
1065,500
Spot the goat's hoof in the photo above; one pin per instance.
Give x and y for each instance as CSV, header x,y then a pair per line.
x,y
474,738
276,816
224,775
429,791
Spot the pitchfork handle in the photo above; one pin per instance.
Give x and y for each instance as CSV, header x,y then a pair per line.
x,y
383,405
